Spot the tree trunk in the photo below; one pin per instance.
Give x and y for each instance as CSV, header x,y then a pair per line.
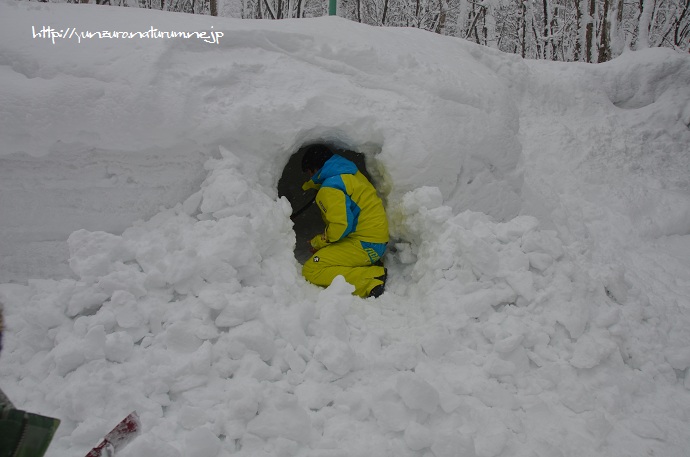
x,y
683,27
554,26
523,38
270,10
214,7
461,19
547,35
580,34
605,39
441,26
644,24
616,31
675,26
385,12
589,34
539,43
473,27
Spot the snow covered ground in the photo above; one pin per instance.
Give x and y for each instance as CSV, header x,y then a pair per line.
x,y
539,279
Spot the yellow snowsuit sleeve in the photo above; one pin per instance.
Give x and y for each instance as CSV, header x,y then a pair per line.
x,y
333,206
319,241
310,185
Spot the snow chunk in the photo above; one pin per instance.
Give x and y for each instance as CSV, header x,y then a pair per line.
x,y
491,440
483,257
336,300
128,279
508,344
522,283
119,346
480,301
68,356
150,446
95,343
92,254
515,228
255,336
425,197
315,395
416,392
240,310
437,342
282,417
201,442
543,241
390,415
418,437
494,395
496,366
575,396
646,428
678,358
85,298
540,261
180,337
591,349
453,445
242,403
338,288
226,194
126,310
336,355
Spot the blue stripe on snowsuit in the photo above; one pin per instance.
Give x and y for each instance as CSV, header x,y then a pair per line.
x,y
374,250
351,208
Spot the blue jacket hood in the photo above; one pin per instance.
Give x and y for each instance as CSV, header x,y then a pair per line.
x,y
336,165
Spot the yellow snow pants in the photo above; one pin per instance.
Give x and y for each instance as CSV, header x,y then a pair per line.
x,y
348,258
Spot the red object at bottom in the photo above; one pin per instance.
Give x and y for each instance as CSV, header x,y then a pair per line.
x,y
117,438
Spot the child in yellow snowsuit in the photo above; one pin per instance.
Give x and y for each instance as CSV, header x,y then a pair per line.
x,y
356,231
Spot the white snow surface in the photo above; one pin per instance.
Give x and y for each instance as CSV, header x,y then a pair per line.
x,y
538,301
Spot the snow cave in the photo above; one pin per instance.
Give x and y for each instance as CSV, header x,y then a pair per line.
x,y
305,215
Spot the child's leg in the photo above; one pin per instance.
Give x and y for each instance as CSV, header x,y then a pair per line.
x,y
346,258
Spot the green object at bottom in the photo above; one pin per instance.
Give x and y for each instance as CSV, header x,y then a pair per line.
x,y
25,434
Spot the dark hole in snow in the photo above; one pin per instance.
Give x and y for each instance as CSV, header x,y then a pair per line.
x,y
308,223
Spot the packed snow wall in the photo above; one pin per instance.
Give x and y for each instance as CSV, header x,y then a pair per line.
x,y
261,92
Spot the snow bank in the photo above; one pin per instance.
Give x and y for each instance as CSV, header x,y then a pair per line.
x,y
528,312
262,92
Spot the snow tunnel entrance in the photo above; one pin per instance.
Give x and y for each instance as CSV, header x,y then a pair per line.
x,y
305,214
